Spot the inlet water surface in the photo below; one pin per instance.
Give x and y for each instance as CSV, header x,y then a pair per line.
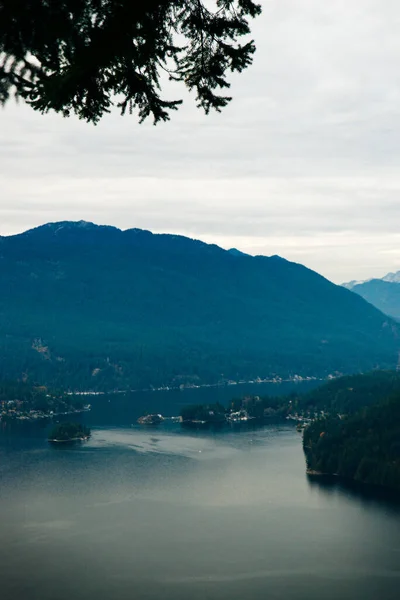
x,y
166,514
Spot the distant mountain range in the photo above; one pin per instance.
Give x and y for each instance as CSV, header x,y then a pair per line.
x,y
383,293
93,307
390,277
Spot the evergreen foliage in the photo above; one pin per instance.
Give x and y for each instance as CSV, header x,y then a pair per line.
x,y
65,432
21,392
27,397
364,446
210,413
88,307
359,436
81,56
349,394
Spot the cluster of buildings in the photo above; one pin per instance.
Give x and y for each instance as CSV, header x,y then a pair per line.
x,y
18,409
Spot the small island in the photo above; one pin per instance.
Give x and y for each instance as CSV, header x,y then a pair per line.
x,y
68,433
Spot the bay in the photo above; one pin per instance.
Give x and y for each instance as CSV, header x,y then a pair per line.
x,y
166,513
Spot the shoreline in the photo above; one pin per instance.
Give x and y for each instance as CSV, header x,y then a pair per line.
x,y
315,473
355,483
183,387
76,439
41,417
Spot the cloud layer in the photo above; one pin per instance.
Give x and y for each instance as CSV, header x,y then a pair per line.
x,y
303,163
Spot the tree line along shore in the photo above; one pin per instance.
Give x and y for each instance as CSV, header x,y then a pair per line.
x,y
351,425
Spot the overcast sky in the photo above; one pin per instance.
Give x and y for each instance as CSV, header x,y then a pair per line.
x,y
304,162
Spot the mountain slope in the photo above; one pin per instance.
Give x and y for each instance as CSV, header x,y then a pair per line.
x,y
95,307
384,294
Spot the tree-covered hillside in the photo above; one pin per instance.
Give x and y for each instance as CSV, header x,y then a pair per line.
x,y
93,307
20,399
349,394
364,447
385,295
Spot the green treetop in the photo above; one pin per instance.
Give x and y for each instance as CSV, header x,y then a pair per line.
x,y
78,56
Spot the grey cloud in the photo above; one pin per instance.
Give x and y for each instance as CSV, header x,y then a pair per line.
x,y
304,162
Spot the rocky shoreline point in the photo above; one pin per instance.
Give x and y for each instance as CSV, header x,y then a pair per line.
x,y
150,419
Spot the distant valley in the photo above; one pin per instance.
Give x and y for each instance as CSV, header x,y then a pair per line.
x,y
93,307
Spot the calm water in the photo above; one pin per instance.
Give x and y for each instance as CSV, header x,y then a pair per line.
x,y
167,514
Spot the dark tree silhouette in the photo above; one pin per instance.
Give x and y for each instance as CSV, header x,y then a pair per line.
x,y
82,56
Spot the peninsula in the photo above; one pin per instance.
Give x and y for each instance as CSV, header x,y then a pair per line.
x,y
23,401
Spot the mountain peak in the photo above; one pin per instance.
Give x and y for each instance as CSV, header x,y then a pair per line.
x,y
389,277
61,228
392,277
237,252
383,293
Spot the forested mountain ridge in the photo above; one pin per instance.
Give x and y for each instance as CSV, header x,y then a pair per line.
x,y
94,307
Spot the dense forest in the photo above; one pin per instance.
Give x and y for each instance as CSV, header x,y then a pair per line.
x,y
66,432
348,394
85,307
22,398
24,392
358,436
364,446
341,395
